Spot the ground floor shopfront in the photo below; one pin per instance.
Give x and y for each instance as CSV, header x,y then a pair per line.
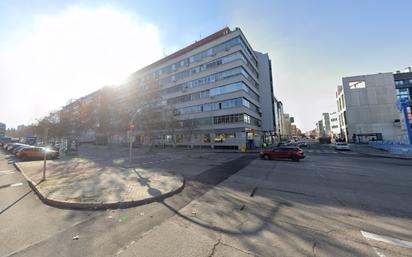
x,y
228,138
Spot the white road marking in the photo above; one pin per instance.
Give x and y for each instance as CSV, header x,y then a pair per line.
x,y
378,253
16,184
6,172
387,239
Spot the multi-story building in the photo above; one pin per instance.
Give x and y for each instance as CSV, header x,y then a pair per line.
x,y
2,129
334,125
219,90
326,123
320,129
267,98
367,108
279,117
286,129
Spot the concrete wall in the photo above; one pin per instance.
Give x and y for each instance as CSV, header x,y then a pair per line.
x,y
372,109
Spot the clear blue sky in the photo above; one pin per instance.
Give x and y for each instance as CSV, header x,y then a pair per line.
x,y
312,44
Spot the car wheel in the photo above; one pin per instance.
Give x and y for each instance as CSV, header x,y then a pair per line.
x,y
295,159
266,157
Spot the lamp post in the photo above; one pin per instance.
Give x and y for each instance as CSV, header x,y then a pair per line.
x,y
131,127
46,130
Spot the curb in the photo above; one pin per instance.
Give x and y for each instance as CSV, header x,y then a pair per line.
x,y
97,206
386,156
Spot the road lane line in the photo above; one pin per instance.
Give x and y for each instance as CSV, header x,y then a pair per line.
x,y
387,239
6,172
16,184
377,252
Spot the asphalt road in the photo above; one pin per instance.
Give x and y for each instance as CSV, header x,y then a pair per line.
x,y
330,204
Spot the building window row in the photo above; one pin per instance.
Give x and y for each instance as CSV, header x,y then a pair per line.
x,y
214,92
224,119
404,93
226,104
213,64
226,46
403,82
210,79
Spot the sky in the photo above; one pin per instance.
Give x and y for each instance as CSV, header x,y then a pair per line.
x,y
54,51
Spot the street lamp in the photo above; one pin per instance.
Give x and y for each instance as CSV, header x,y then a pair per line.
x,y
46,131
131,127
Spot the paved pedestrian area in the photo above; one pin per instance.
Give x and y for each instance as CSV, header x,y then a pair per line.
x,y
82,181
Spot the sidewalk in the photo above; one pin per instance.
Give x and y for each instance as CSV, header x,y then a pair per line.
x,y
370,151
85,184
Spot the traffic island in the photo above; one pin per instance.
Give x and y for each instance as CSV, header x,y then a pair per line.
x,y
84,184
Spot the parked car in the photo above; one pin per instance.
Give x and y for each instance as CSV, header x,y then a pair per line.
x,y
18,148
302,144
4,140
11,147
342,146
37,153
286,152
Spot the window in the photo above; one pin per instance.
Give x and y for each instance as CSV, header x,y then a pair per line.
x,y
179,138
206,138
222,137
214,92
357,84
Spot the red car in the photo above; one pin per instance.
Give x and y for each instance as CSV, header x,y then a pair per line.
x,y
287,152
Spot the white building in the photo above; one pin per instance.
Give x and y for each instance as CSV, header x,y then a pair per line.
x,y
367,108
334,125
220,85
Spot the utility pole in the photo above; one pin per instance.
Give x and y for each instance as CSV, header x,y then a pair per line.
x,y
131,127
46,130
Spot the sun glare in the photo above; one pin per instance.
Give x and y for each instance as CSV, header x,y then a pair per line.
x,y
71,54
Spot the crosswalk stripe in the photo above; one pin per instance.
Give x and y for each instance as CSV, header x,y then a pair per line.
x,y
6,172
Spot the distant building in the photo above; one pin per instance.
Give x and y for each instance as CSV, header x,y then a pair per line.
x,y
334,125
21,128
320,129
295,131
367,108
2,129
286,130
326,123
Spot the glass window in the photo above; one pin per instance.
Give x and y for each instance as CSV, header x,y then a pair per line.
x,y
206,138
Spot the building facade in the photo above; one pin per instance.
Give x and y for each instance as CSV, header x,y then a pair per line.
x,y
215,87
326,124
2,129
217,92
367,108
334,125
